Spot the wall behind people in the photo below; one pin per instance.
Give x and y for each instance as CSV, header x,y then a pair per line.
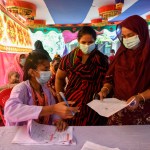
x,y
5,62
52,41
63,39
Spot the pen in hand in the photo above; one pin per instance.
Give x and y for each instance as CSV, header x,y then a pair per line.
x,y
63,97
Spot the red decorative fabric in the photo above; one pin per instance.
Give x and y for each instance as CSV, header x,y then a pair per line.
x,y
5,63
4,96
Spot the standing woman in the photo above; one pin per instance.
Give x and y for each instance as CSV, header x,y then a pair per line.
x,y
129,75
85,68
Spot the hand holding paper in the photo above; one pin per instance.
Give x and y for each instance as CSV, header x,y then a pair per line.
x,y
108,106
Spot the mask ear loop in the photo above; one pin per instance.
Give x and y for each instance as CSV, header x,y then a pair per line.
x,y
119,35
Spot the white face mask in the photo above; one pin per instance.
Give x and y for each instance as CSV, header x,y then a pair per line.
x,y
44,77
87,49
132,42
22,61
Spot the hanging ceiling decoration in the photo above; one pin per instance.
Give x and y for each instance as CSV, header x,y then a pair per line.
x,y
25,12
23,8
36,23
106,12
148,18
111,10
98,22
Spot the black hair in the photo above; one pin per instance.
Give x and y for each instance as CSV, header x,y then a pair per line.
x,y
112,51
32,61
86,30
38,45
39,48
56,59
12,73
57,56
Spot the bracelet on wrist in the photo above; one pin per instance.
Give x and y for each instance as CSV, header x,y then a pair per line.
x,y
143,98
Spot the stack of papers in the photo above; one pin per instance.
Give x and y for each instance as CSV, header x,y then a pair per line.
x,y
107,106
39,134
92,146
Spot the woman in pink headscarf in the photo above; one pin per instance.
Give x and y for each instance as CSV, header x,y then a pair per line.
x,y
18,64
129,76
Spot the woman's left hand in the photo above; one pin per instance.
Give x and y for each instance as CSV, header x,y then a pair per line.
x,y
134,102
61,125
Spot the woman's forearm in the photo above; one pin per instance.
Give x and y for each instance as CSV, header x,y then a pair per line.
x,y
47,110
144,95
108,87
59,87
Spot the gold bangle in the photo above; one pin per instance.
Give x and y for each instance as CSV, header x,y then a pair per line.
x,y
142,96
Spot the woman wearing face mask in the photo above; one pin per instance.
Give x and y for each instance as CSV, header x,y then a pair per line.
x,y
129,75
17,66
31,99
85,68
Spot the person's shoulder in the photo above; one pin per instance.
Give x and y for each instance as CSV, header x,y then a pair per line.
x,y
46,90
72,52
22,86
101,58
111,57
101,55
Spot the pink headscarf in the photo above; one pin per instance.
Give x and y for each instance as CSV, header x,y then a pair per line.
x,y
15,67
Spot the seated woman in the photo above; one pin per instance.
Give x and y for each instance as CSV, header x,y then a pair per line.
x,y
13,79
31,99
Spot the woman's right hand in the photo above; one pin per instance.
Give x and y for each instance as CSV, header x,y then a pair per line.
x,y
103,93
63,111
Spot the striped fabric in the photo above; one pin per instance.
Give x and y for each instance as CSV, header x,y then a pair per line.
x,y
85,80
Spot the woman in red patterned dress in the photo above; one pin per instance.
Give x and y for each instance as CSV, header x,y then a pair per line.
x,y
85,68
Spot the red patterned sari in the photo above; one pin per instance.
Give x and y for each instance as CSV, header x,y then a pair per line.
x,y
84,81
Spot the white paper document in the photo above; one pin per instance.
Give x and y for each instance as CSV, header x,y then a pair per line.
x,y
92,146
107,106
39,134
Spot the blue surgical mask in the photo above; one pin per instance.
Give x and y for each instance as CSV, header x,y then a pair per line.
x,y
44,77
87,49
22,61
131,42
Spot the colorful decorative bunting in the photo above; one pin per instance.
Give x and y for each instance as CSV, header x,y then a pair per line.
x,y
13,36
